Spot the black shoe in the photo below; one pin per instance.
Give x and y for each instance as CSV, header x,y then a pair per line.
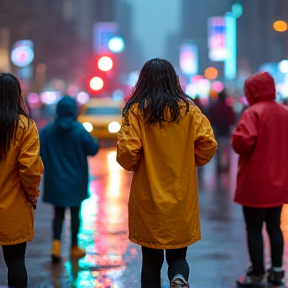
x,y
251,280
275,277
55,259
179,281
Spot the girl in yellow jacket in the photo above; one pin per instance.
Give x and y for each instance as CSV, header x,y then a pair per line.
x,y
20,170
163,138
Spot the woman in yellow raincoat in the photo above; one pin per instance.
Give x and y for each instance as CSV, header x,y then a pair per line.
x,y
20,170
163,138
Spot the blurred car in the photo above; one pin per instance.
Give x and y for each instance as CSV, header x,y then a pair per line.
x,y
102,117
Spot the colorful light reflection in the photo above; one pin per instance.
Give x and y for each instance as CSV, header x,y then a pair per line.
x,y
104,231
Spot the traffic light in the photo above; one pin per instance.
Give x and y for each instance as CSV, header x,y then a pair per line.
x,y
105,63
96,83
102,81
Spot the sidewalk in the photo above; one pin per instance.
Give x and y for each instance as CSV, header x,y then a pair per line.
x,y
113,261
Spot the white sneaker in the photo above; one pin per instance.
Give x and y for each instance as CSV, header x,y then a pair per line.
x,y
179,281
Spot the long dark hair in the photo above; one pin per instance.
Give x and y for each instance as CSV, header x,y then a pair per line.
x,y
11,106
157,89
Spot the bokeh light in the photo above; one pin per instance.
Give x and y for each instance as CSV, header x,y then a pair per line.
x,y
280,26
114,127
118,95
213,94
105,63
49,97
82,97
88,126
211,73
116,44
283,66
33,98
217,86
191,90
96,83
22,53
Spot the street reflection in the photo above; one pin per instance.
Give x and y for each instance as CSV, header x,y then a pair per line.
x,y
284,228
113,261
104,230
115,179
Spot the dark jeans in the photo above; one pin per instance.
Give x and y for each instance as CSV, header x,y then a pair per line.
x,y
14,256
59,215
152,261
254,218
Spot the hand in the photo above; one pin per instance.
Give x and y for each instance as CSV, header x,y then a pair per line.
x,y
33,201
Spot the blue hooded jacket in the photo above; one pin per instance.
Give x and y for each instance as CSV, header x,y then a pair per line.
x,y
64,147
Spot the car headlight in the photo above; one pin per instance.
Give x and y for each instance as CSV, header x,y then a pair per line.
x,y
88,126
114,127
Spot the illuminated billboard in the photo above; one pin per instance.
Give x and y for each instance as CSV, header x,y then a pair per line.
x,y
189,58
230,64
217,39
103,32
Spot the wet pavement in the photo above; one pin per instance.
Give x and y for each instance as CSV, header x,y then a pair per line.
x,y
113,261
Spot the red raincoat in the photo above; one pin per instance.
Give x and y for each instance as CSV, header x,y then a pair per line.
x,y
261,140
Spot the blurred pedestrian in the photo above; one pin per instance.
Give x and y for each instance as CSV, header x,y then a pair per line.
x,y
163,138
222,118
65,145
20,169
285,103
198,103
261,140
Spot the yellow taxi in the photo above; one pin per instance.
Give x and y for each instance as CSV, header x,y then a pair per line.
x,y
102,117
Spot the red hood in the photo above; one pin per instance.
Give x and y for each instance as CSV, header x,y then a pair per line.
x,y
260,87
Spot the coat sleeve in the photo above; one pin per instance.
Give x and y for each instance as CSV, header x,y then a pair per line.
x,y
245,134
129,145
91,144
205,143
29,162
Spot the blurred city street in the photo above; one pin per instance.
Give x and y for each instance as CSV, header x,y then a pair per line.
x,y
93,51
113,261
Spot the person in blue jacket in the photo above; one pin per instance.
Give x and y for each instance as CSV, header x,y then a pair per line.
x,y
64,147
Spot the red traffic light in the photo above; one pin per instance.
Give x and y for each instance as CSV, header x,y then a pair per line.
x,y
96,83
105,63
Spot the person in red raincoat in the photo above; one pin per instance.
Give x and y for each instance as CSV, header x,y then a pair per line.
x,y
261,140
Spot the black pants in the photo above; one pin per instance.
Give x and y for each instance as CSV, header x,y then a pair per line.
x,y
223,153
152,261
14,256
59,215
254,218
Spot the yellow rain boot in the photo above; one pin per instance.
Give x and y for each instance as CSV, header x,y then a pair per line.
x,y
77,252
56,251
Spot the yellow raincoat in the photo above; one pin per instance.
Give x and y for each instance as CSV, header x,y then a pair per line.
x,y
20,171
163,203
